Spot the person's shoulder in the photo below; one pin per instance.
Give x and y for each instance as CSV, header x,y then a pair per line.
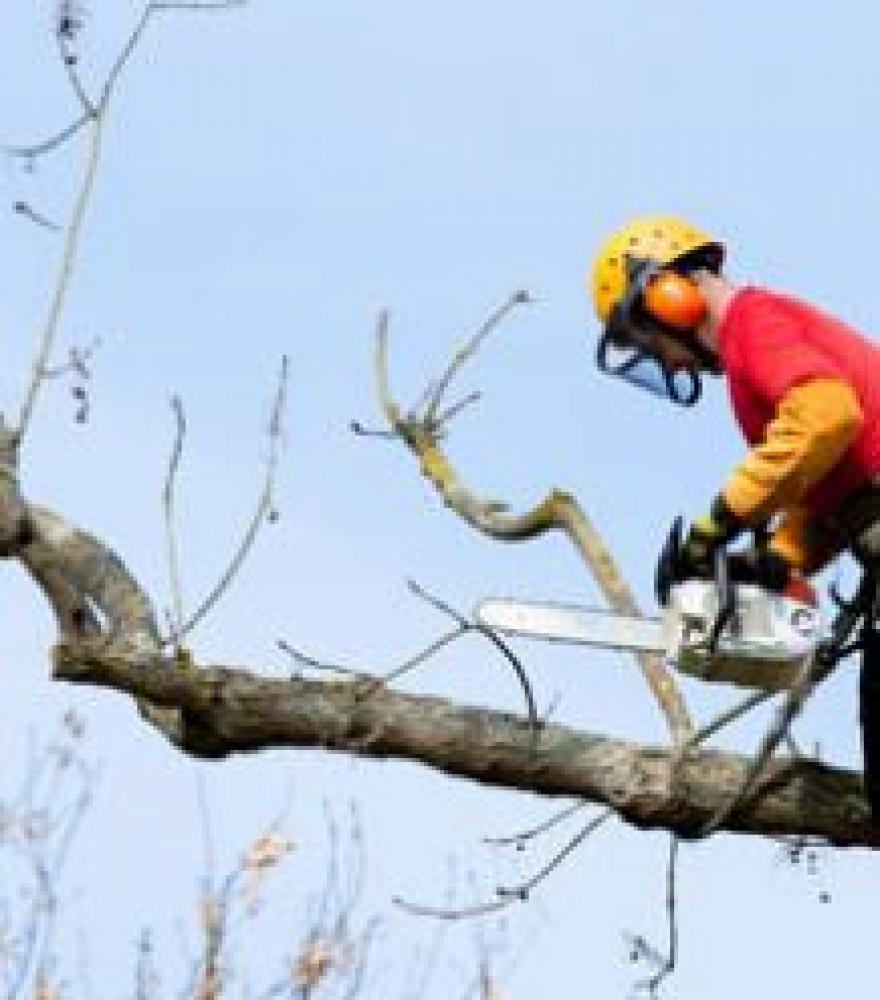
x,y
760,298
755,307
759,323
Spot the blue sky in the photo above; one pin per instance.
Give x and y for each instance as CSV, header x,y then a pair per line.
x,y
271,178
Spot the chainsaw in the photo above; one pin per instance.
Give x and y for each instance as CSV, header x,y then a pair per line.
x,y
720,629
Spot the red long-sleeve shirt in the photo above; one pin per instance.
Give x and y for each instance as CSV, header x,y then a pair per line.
x,y
771,344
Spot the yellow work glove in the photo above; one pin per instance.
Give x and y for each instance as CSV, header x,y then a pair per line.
x,y
704,537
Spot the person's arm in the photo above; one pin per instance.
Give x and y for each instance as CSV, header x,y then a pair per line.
x,y
815,424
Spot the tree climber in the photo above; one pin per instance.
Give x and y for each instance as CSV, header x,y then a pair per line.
x,y
805,391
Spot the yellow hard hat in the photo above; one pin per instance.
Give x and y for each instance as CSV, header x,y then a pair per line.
x,y
661,238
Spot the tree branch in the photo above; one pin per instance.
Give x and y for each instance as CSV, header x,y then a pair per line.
x,y
227,711
559,511
47,337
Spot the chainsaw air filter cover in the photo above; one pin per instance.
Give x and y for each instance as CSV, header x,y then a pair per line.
x,y
760,640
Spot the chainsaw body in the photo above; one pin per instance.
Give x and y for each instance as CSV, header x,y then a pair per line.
x,y
748,636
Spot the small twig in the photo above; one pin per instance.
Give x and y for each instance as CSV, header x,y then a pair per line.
x,y
372,683
466,624
522,891
444,913
68,60
802,687
421,404
667,963
519,838
23,208
356,427
448,414
205,5
419,658
726,717
522,677
389,407
146,977
263,510
134,38
123,57
50,329
552,705
463,354
77,362
357,869
168,506
94,113
419,591
311,662
505,896
38,149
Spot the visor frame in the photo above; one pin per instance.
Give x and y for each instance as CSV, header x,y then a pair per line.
x,y
666,385
622,329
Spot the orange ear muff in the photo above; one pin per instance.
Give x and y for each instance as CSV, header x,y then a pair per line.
x,y
675,300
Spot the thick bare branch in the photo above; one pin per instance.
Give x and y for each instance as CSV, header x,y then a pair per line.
x,y
228,711
89,586
559,511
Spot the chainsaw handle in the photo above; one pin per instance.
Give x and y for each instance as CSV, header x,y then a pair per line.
x,y
726,598
725,568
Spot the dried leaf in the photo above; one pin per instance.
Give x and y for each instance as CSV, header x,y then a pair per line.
x,y
267,851
44,989
312,966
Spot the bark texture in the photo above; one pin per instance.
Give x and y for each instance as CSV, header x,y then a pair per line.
x,y
225,711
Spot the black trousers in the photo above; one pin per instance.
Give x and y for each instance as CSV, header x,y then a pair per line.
x,y
869,715
856,525
865,546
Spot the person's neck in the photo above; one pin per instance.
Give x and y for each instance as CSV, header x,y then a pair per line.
x,y
718,293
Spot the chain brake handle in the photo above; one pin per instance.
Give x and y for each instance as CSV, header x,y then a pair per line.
x,y
668,571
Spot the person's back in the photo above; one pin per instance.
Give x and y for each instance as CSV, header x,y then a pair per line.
x,y
770,343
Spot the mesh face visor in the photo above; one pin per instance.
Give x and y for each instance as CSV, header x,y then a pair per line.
x,y
642,367
628,349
